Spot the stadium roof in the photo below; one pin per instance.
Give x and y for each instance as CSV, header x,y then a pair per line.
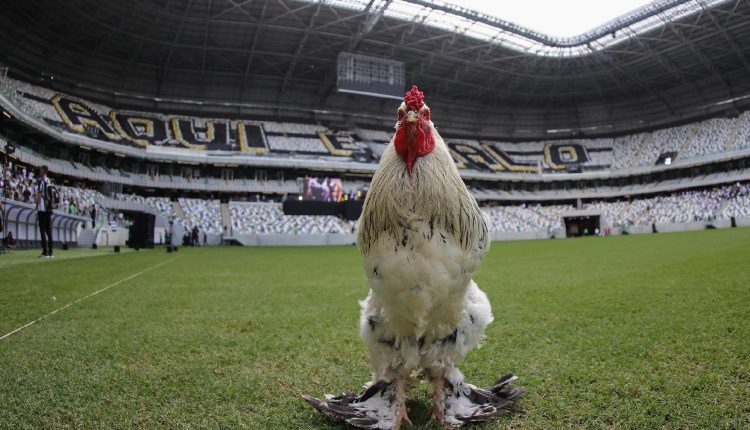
x,y
451,16
580,15
670,61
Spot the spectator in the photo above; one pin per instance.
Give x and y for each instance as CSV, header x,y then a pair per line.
x,y
44,212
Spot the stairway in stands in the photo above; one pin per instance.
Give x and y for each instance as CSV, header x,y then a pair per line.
x,y
644,144
692,133
720,210
178,209
620,214
226,219
642,217
731,142
86,238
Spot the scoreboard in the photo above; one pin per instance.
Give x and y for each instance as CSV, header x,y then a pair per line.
x,y
372,76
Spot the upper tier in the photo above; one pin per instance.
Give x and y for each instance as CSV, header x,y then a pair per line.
x,y
174,135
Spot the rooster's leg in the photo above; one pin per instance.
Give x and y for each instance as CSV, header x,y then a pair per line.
x,y
438,401
400,402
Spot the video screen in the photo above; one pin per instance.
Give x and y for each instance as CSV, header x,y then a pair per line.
x,y
324,189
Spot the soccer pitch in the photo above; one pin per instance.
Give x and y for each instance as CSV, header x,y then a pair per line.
x,y
626,332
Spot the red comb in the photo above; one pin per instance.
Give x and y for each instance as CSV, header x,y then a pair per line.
x,y
414,99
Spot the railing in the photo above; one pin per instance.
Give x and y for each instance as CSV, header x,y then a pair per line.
x,y
20,219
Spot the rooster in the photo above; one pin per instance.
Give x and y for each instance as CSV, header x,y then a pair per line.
x,y
422,236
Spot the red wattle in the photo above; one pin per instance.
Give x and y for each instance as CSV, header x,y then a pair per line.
x,y
400,142
425,141
422,145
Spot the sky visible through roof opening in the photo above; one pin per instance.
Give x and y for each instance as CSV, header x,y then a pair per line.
x,y
557,18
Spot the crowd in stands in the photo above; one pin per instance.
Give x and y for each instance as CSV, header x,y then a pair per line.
x,y
16,182
78,200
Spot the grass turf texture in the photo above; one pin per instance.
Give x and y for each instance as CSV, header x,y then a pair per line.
x,y
630,332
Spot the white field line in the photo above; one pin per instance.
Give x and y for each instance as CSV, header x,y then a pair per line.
x,y
114,284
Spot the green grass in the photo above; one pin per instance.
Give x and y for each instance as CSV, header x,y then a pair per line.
x,y
625,333
14,257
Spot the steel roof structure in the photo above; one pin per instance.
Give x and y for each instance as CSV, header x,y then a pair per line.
x,y
668,62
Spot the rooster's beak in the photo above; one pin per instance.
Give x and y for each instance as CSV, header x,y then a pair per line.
x,y
411,116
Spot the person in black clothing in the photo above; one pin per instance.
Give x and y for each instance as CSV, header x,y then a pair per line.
x,y
2,225
195,236
10,241
44,212
93,216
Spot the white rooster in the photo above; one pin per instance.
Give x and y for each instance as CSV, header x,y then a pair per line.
x,y
422,235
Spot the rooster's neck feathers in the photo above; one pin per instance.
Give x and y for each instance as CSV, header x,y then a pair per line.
x,y
398,203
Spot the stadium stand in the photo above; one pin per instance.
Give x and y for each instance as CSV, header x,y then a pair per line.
x,y
268,218
161,204
16,182
701,205
377,136
741,138
515,219
737,202
296,144
287,139
204,214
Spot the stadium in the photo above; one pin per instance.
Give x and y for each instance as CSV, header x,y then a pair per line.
x,y
201,179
